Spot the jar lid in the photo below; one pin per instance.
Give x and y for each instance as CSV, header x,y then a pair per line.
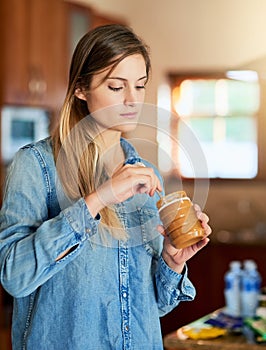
x,y
171,198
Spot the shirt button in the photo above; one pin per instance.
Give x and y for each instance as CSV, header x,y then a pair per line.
x,y
126,328
124,295
88,230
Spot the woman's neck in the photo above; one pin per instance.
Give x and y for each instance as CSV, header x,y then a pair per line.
x,y
111,151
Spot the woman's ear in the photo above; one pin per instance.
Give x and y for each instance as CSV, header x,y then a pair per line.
x,y
80,94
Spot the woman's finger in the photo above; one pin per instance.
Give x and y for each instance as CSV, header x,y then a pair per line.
x,y
146,177
161,230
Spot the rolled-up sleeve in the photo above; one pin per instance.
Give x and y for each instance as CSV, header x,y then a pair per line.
x,y
172,287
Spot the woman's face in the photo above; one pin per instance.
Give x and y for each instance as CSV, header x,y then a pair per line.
x,y
116,102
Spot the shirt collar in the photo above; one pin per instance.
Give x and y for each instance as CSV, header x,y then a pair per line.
x,y
131,155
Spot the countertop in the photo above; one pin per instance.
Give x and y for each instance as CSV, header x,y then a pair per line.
x,y
233,338
233,342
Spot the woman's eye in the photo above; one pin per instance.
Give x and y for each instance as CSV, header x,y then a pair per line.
x,y
115,88
139,87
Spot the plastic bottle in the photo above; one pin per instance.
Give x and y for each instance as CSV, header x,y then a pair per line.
x,y
250,289
232,280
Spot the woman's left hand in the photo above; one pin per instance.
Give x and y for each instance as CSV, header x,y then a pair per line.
x,y
176,258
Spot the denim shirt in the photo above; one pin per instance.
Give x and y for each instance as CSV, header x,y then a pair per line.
x,y
104,294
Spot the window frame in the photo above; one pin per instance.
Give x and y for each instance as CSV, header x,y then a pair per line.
x,y
175,79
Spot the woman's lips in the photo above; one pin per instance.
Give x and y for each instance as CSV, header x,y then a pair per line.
x,y
129,115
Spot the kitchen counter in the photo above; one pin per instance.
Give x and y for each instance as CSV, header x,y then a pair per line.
x,y
231,340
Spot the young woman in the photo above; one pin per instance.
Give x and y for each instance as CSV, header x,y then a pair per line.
x,y
80,249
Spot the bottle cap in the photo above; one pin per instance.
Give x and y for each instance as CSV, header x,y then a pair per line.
x,y
250,264
235,264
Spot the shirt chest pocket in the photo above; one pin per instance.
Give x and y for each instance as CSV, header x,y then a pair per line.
x,y
151,239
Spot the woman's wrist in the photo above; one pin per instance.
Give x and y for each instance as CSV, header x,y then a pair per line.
x,y
94,204
170,261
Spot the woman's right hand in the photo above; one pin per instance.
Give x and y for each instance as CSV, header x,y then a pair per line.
x,y
125,183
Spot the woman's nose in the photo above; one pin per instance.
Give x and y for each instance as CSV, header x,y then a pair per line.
x,y
130,97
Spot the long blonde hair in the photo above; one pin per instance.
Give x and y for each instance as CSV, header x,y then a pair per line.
x,y
81,171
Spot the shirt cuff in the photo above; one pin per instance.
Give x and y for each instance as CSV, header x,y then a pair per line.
x,y
81,220
176,283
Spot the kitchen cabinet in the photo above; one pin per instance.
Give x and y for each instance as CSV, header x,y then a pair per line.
x,y
37,41
33,61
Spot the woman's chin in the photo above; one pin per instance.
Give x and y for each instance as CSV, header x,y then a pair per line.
x,y
127,127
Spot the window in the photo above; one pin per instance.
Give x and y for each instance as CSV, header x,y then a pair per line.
x,y
216,113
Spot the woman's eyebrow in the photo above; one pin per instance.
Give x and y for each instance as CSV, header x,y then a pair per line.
x,y
123,79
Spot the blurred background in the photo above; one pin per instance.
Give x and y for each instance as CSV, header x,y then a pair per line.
x,y
203,126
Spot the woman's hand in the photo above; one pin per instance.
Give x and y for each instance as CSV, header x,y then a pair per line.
x,y
125,183
176,258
